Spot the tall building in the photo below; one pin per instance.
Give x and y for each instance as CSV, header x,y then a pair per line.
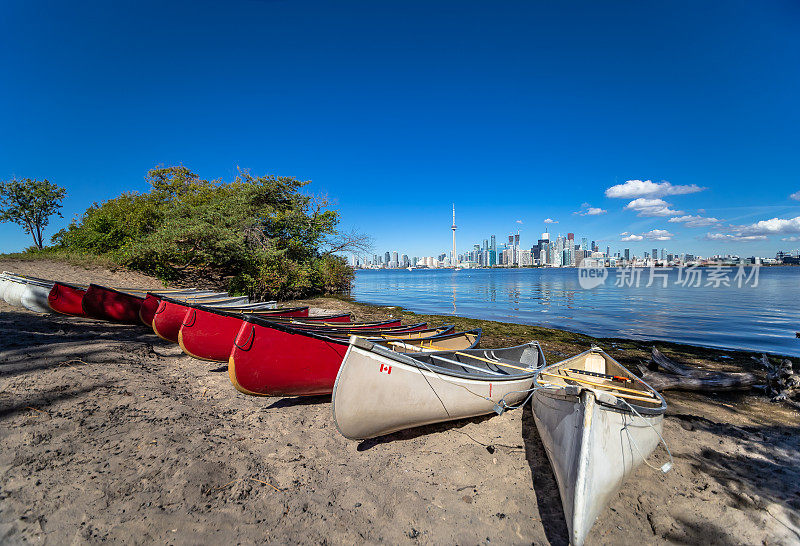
x,y
395,262
387,258
663,254
585,244
627,254
454,257
655,254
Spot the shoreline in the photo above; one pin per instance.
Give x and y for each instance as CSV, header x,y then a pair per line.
x,y
516,331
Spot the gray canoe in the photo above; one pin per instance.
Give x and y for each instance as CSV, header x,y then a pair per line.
x,y
593,438
379,390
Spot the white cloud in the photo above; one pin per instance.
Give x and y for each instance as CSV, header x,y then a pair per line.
x,y
550,221
734,237
519,221
630,236
795,196
651,207
648,188
774,226
793,238
652,235
589,210
658,235
695,221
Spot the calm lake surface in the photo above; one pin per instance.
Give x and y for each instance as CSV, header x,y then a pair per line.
x,y
744,314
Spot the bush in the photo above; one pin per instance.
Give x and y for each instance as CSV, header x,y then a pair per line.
x,y
256,235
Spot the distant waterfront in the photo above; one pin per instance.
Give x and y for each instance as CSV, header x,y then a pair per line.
x,y
760,318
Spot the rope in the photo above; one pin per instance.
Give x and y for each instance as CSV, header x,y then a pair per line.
x,y
666,467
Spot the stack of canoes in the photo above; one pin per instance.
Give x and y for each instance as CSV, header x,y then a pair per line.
x,y
598,422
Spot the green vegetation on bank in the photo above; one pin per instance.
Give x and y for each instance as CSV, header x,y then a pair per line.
x,y
257,235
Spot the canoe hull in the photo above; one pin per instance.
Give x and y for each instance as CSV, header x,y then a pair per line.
x,y
376,395
104,303
280,361
13,293
66,300
169,317
207,335
35,298
596,430
151,301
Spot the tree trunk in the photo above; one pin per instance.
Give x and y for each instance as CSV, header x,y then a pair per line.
x,y
686,378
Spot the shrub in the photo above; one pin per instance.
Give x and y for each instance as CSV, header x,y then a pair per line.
x,y
256,235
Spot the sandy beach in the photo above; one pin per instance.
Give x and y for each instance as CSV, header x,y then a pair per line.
x,y
112,434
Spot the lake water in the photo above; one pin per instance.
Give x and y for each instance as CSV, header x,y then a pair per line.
x,y
731,308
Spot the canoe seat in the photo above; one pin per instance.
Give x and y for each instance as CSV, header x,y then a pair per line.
x,y
594,363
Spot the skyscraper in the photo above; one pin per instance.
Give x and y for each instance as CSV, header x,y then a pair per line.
x,y
387,258
627,254
655,254
454,257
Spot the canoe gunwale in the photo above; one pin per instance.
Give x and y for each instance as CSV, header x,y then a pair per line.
x,y
404,358
573,392
315,333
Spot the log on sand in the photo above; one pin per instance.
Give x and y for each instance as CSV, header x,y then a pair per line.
x,y
678,376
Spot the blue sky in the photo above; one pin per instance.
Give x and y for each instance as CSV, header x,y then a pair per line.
x,y
514,111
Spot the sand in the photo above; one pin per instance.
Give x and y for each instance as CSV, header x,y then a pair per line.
x,y
110,433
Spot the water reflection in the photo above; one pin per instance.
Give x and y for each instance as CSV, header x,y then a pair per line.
x,y
762,318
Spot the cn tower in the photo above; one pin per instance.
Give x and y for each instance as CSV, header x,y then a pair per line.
x,y
454,260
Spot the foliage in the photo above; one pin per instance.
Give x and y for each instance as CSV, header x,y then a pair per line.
x,y
30,203
257,234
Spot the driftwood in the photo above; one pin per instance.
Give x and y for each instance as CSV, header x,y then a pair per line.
x,y
783,384
686,378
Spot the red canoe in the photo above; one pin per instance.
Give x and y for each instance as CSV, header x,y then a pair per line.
x,y
208,334
271,359
170,314
152,300
105,303
66,299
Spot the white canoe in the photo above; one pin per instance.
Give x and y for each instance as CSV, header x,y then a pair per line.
x,y
13,292
26,292
592,437
379,391
34,298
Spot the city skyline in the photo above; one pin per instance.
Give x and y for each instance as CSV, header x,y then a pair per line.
x,y
637,246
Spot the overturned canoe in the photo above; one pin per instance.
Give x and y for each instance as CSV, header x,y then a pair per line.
x,y
208,333
379,391
121,305
598,423
35,297
28,292
103,303
14,289
151,302
67,299
273,359
171,313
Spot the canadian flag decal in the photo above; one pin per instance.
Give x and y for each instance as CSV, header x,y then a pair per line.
x,y
386,369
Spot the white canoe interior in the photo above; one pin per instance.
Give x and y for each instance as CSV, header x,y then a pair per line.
x,y
584,412
379,391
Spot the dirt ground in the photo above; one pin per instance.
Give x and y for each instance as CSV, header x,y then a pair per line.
x,y
111,433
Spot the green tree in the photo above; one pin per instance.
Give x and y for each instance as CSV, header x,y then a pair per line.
x,y
257,234
30,203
